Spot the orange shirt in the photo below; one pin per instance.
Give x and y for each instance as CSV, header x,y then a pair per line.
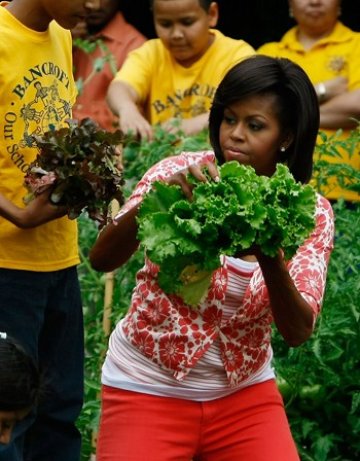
x,y
119,38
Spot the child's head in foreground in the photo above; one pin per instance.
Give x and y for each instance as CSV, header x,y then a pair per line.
x,y
19,385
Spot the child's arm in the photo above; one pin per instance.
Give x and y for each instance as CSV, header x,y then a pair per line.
x,y
189,126
123,101
37,212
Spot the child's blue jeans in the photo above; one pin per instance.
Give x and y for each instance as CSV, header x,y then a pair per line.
x,y
43,312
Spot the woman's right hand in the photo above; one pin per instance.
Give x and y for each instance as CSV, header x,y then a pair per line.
x,y
197,171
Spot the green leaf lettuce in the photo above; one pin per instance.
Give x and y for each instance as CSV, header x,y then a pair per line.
x,y
186,238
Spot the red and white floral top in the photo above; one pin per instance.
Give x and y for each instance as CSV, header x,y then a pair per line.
x,y
175,336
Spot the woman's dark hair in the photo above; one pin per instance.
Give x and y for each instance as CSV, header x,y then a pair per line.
x,y
19,377
297,105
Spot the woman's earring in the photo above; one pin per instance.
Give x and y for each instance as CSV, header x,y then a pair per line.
x,y
282,149
291,14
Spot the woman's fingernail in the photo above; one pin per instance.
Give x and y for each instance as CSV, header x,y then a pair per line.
x,y
217,179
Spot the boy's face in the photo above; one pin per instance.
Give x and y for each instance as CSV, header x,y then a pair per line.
x,y
183,27
97,19
69,12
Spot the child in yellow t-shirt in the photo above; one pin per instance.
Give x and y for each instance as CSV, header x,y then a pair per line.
x,y
175,75
40,302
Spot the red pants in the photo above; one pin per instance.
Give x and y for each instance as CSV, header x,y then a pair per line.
x,y
249,425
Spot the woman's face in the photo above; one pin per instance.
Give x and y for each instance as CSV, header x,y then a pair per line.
x,y
250,133
315,14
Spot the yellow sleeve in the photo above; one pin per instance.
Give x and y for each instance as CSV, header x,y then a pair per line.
x,y
270,49
139,67
354,67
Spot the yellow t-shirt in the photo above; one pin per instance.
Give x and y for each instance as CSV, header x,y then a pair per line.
x,y
167,89
36,90
335,55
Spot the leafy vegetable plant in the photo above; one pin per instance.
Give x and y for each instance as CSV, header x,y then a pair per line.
x,y
78,163
89,46
186,238
329,170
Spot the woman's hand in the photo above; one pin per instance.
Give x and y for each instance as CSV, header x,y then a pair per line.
x,y
197,171
292,314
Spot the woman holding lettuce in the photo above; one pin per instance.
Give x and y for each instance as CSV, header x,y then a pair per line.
x,y
182,383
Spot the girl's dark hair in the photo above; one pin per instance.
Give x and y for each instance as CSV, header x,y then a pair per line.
x,y
205,4
297,106
19,377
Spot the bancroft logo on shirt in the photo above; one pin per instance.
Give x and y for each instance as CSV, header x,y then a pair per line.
x,y
43,85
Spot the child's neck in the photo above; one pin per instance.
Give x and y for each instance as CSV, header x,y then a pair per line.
x,y
29,13
195,59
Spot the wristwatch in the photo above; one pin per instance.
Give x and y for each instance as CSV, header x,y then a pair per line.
x,y
321,92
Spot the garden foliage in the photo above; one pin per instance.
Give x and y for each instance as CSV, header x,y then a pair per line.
x,y
89,45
